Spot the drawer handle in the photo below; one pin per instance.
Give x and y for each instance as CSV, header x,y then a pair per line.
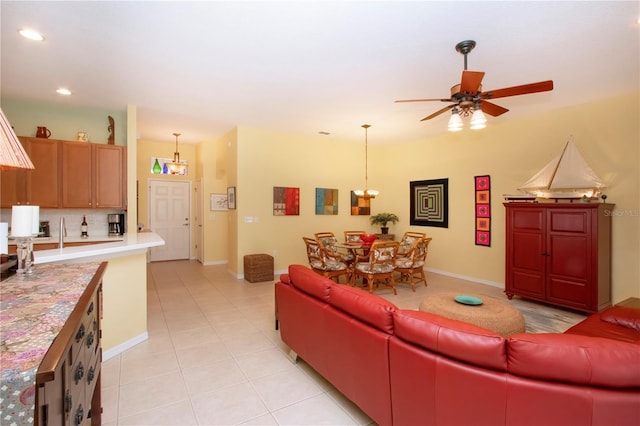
x,y
91,374
68,402
80,333
90,309
77,420
79,373
95,325
90,340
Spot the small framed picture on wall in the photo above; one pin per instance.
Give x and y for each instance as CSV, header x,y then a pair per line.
x,y
231,197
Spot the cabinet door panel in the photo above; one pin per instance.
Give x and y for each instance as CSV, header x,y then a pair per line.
x,y
43,183
108,167
76,174
10,183
570,257
569,221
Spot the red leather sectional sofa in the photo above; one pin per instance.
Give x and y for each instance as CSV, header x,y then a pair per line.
x,y
405,367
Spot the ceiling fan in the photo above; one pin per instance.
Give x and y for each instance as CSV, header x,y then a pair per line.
x,y
468,97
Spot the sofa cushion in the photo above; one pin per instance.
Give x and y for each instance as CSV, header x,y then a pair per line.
x,y
452,338
623,316
575,359
309,282
366,307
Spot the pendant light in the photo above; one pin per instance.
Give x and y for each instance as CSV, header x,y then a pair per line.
x,y
176,167
366,193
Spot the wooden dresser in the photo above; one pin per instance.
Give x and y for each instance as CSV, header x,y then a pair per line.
x,y
51,344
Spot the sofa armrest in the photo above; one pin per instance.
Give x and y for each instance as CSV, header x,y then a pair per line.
x,y
622,316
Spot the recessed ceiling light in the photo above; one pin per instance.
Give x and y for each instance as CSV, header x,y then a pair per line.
x,y
63,91
31,34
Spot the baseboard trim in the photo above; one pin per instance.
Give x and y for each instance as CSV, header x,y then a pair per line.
x,y
215,262
465,277
124,346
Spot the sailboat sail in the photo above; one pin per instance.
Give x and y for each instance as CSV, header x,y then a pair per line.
x,y
567,175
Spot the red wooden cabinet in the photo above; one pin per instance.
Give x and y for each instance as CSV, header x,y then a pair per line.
x,y
559,253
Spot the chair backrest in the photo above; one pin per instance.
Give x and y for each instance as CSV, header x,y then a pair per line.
x,y
314,252
421,249
409,240
352,236
327,241
383,253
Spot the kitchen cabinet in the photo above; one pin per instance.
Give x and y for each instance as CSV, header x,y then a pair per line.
x,y
41,186
93,175
67,174
52,345
68,378
109,176
559,253
76,175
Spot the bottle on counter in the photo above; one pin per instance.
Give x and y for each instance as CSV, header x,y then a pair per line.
x,y
83,228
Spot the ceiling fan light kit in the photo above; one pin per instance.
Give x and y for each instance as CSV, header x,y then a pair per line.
x,y
467,98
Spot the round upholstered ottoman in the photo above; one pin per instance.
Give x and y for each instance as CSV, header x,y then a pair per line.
x,y
493,314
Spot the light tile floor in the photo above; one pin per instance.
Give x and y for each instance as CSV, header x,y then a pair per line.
x,y
213,356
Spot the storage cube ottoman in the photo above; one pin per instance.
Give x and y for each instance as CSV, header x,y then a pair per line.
x,y
258,267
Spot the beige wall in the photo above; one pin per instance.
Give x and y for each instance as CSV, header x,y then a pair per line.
x,y
606,132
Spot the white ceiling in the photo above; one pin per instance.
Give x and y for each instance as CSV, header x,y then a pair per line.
x,y
201,68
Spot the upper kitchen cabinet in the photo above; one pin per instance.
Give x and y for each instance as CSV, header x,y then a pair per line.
x,y
109,176
40,186
93,175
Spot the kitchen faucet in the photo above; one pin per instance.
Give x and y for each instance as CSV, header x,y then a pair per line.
x,y
62,232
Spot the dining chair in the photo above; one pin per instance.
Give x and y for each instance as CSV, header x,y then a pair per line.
x,y
328,241
378,266
409,241
411,267
323,264
353,236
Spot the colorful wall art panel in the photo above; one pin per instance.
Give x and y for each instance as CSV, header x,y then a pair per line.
x,y
326,201
430,203
483,210
286,201
360,206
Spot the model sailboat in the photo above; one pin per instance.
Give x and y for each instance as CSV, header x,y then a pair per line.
x,y
566,176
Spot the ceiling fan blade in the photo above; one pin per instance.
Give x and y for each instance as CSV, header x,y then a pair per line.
x,y
492,109
423,100
437,113
541,86
471,81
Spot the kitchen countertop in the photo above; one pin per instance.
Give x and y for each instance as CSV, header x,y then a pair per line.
x,y
33,309
129,243
90,239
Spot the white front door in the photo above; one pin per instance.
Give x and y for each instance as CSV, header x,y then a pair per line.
x,y
169,212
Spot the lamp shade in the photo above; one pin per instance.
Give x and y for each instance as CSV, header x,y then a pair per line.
x,y
455,122
478,120
12,154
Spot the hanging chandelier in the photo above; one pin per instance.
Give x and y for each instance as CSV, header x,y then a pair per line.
x,y
366,193
176,167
